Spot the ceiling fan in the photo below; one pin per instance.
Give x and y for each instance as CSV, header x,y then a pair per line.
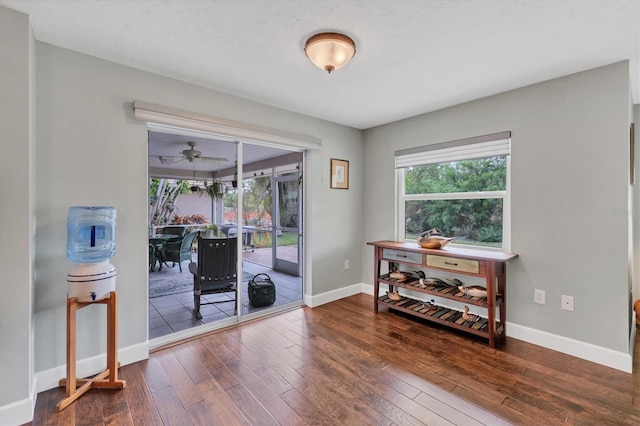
x,y
190,155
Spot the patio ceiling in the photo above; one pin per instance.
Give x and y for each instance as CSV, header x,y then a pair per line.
x,y
166,159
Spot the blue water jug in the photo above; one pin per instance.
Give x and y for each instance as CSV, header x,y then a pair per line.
x,y
91,234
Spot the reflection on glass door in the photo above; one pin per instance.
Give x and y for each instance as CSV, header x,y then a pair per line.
x,y
185,197
287,226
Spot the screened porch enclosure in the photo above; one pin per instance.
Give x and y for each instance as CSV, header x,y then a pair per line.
x,y
268,184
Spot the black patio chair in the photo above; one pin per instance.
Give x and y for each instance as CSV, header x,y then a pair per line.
x,y
215,272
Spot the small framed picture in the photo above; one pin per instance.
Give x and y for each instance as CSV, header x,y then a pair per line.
x,y
339,174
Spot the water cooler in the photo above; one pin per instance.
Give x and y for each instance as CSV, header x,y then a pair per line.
x,y
90,244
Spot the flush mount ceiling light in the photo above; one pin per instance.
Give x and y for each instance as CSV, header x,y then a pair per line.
x,y
330,51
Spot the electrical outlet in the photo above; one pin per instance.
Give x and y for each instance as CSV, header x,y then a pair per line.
x,y
347,264
567,303
538,296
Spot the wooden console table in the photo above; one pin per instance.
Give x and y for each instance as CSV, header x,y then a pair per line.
x,y
99,381
490,265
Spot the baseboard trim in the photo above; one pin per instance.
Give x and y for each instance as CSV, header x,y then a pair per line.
x,y
599,355
330,296
48,379
19,412
367,289
590,352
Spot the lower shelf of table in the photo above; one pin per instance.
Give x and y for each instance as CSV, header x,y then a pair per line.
x,y
442,315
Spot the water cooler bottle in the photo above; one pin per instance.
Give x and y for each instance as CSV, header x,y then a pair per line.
x,y
91,242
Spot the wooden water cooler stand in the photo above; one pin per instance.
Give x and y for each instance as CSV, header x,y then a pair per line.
x,y
108,378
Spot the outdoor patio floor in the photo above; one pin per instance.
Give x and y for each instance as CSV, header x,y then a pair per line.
x,y
174,312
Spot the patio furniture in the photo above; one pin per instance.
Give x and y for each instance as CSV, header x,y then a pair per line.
x,y
176,230
178,250
215,272
247,233
158,242
153,258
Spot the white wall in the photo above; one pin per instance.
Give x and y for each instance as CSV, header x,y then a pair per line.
x,y
569,180
190,204
635,209
91,151
16,214
569,150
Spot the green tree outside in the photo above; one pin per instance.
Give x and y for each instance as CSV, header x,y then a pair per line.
x,y
471,220
162,196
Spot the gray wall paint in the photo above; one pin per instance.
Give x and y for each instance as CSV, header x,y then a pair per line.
x,y
569,180
635,209
16,207
91,151
85,126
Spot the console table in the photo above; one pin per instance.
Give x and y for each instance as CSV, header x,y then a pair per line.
x,y
489,265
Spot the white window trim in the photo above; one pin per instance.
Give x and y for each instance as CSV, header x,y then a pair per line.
x,y
455,195
497,144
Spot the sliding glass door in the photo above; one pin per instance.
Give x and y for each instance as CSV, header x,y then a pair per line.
x,y
226,189
287,230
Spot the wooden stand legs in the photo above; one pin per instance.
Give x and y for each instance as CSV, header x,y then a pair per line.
x,y
101,380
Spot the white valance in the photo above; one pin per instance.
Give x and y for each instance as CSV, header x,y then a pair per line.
x,y
496,144
170,120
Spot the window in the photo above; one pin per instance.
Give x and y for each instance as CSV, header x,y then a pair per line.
x,y
460,187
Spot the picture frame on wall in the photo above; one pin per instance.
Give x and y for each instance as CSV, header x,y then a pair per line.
x,y
339,174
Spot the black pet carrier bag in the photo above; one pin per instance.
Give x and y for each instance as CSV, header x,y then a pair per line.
x,y
262,291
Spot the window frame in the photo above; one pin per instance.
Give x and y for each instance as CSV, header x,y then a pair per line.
x,y
464,151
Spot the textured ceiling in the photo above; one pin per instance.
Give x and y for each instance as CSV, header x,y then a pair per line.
x,y
412,56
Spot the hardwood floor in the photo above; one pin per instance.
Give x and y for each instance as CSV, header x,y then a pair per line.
x,y
342,364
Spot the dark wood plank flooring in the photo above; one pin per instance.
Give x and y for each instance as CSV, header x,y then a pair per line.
x,y
342,364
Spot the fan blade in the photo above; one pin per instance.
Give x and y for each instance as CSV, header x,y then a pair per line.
x,y
168,159
214,159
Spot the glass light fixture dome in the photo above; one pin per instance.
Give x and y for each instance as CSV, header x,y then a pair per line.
x,y
330,51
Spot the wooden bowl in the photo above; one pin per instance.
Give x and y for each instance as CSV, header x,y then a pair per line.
x,y
434,242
